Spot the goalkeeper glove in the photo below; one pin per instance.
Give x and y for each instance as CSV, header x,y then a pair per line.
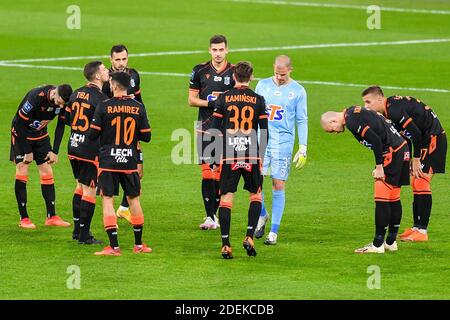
x,y
300,157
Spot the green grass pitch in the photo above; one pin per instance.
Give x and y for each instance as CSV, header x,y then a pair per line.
x,y
329,208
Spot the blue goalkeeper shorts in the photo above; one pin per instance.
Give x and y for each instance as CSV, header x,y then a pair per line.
x,y
277,164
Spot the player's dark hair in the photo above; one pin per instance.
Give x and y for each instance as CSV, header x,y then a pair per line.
x,y
243,71
218,38
122,79
118,48
91,69
373,90
64,91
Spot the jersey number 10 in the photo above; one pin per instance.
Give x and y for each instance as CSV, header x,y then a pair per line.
x,y
129,126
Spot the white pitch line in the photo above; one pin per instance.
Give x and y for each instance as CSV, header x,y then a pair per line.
x,y
185,75
340,6
279,48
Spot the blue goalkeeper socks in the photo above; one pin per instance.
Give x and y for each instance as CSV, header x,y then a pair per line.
x,y
278,200
263,208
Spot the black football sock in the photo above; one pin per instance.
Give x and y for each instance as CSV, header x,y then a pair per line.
x,y
394,224
21,197
76,202
138,234
113,239
424,204
208,193
124,201
382,218
253,215
415,212
217,191
48,192
225,221
87,209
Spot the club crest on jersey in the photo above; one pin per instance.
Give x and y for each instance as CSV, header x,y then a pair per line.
x,y
277,93
27,107
226,80
133,84
217,79
275,112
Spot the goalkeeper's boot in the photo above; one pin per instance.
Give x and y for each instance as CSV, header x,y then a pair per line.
x,y
26,224
108,251
370,248
407,233
141,248
249,245
124,212
227,252
271,239
261,227
391,247
56,221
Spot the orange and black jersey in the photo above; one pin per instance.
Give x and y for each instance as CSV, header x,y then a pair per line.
x,y
34,114
210,83
79,113
413,119
238,114
134,88
120,123
373,130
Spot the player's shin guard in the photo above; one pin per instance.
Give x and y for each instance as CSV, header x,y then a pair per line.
x,y
87,208
76,203
21,195
209,196
138,227
382,218
253,214
278,201
48,193
110,224
423,201
225,221
394,223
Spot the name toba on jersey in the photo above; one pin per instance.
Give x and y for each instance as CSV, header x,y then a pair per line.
x,y
120,123
79,114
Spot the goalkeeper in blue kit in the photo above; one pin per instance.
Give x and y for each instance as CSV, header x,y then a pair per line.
x,y
287,105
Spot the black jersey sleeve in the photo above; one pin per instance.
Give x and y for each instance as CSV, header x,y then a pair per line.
x,y
27,109
194,82
263,123
59,133
377,145
97,124
218,112
145,130
405,121
137,87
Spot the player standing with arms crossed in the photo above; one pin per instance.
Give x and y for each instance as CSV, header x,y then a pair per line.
x,y
119,62
208,80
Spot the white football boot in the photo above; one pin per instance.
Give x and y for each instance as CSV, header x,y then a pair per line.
x,y
370,248
392,247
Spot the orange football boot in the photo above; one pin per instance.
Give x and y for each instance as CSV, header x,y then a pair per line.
x,y
416,236
26,224
142,249
227,252
108,251
407,233
56,221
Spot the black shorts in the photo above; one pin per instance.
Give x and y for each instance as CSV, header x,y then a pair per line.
x,y
85,172
397,166
206,148
231,174
434,154
40,149
108,183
